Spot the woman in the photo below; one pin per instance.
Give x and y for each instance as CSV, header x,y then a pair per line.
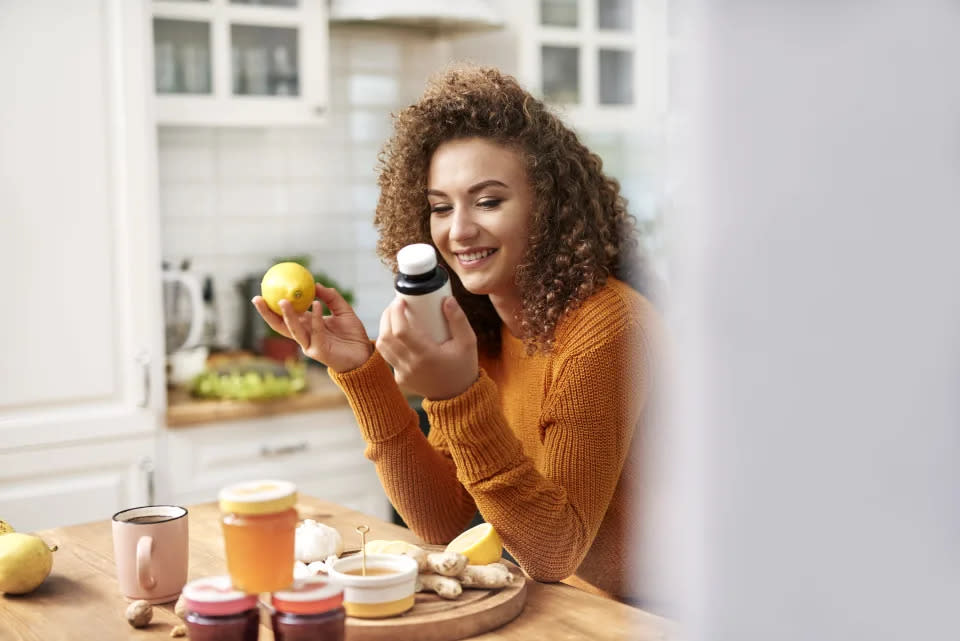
x,y
536,402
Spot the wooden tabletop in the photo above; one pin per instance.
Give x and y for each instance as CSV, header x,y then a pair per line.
x,y
80,599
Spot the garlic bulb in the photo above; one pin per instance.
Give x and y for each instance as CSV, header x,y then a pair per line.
x,y
316,541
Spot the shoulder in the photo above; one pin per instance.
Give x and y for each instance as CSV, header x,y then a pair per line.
x,y
614,314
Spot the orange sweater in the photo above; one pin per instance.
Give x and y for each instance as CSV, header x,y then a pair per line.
x,y
540,444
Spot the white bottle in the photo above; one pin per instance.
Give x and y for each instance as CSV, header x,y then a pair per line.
x,y
423,284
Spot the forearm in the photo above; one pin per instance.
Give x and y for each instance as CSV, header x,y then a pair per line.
x,y
418,476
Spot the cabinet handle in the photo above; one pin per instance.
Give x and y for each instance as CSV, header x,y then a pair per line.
x,y
143,359
267,452
147,468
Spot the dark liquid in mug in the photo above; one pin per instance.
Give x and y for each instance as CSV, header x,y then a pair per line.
x,y
150,518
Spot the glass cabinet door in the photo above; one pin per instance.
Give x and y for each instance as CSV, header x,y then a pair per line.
x,y
181,54
264,60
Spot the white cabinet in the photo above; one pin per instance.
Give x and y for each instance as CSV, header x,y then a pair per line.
x,y
233,62
54,486
321,451
81,382
603,62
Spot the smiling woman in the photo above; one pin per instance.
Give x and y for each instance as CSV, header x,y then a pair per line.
x,y
539,401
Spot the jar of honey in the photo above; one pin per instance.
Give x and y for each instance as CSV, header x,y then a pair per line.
x,y
218,612
310,610
259,525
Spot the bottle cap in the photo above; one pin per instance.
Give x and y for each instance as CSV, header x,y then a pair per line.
x,y
415,259
309,595
258,497
216,596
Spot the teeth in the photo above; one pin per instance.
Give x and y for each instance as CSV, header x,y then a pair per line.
x,y
469,258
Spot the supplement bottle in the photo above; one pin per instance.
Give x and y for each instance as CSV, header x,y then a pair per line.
x,y
259,527
423,284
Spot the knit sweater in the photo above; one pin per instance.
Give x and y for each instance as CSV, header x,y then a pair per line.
x,y
545,446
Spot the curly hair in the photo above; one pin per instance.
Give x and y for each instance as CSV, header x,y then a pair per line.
x,y
580,232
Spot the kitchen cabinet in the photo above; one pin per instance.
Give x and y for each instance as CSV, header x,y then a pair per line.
x,y
321,451
81,384
602,62
237,63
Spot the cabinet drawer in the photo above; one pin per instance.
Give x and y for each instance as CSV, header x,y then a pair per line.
x,y
64,485
288,447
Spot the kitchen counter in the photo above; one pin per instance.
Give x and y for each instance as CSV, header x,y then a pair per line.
x,y
81,600
185,410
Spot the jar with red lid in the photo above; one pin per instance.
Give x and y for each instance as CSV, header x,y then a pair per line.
x,y
218,612
311,610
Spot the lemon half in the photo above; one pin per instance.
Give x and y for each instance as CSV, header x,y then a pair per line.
x,y
480,544
292,281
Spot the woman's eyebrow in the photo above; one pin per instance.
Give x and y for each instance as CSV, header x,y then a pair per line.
x,y
473,189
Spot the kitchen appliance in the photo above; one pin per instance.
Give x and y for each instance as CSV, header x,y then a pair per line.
x,y
183,324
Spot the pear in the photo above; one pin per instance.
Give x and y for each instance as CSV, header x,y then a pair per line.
x,y
25,561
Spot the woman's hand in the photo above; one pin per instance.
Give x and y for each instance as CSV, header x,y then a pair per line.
x,y
339,340
435,371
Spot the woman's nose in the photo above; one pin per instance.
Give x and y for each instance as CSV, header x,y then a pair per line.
x,y
462,225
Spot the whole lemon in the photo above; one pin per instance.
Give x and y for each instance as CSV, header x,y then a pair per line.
x,y
291,281
25,561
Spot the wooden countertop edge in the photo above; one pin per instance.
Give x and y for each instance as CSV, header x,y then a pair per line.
x,y
185,411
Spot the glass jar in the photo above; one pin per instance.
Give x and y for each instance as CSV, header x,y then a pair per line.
x,y
218,612
259,525
311,610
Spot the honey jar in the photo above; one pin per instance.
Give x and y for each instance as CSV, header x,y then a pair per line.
x,y
259,525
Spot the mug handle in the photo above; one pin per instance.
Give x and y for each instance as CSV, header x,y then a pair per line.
x,y
144,573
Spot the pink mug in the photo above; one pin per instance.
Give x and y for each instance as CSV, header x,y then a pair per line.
x,y
150,548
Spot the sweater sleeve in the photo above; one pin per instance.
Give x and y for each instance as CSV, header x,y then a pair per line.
x,y
548,515
417,474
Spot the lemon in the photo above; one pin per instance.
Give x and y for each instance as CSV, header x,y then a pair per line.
x,y
480,544
25,561
5,528
291,281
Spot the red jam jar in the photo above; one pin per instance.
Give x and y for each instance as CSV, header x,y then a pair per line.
x,y
218,612
259,528
311,610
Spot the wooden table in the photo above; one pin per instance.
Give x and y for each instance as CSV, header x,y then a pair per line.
x,y
80,599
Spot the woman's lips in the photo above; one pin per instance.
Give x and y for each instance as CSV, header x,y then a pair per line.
x,y
475,258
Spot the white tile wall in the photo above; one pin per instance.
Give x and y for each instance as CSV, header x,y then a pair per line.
x,y
233,199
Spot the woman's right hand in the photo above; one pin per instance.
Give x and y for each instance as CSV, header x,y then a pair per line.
x,y
338,340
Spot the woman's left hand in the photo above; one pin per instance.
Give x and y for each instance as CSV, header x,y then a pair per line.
x,y
436,371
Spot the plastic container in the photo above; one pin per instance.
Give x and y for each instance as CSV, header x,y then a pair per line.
x,y
311,610
423,284
218,612
259,525
387,590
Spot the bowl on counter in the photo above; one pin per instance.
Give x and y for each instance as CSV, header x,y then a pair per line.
x,y
387,590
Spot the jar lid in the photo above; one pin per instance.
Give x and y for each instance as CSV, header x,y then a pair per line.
x,y
216,596
258,497
309,595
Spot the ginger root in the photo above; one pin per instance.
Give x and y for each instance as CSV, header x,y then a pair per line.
x,y
445,587
493,575
139,614
446,563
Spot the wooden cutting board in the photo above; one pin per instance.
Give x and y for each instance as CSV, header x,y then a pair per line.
x,y
436,619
